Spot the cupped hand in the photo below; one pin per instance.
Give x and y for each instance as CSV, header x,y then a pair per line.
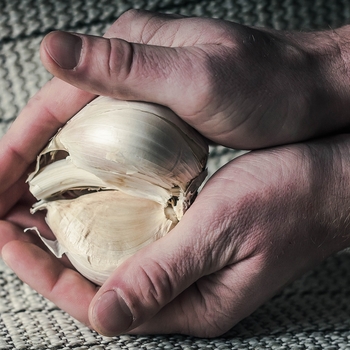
x,y
241,87
259,223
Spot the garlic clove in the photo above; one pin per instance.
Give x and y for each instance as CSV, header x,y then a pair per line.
x,y
132,138
98,231
63,175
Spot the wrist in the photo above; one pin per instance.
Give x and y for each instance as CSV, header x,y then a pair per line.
x,y
332,155
324,75
330,53
314,70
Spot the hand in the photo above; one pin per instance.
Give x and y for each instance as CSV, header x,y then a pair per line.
x,y
221,109
241,87
260,222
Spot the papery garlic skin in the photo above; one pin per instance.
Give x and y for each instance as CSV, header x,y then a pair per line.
x,y
134,168
91,244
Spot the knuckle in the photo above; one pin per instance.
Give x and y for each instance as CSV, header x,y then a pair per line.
x,y
214,316
155,286
132,20
128,25
117,67
132,14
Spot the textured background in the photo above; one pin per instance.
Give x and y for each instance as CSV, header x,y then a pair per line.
x,y
312,313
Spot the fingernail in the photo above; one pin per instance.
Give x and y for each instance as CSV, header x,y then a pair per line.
x,y
64,48
111,315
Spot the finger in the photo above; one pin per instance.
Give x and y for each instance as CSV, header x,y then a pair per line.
x,y
142,26
12,195
44,273
170,30
47,111
208,307
124,70
14,226
11,232
21,216
214,303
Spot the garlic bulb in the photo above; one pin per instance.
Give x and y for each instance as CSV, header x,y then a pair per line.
x,y
118,176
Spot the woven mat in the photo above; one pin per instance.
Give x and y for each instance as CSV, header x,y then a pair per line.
x,y
312,313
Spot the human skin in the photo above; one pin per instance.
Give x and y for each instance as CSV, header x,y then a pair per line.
x,y
260,222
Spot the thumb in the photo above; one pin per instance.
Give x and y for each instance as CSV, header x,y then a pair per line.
x,y
152,278
125,70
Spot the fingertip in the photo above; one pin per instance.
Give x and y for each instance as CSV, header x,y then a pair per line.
x,y
109,314
12,254
61,50
6,253
20,255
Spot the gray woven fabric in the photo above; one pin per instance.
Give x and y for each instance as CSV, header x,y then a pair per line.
x,y
312,313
